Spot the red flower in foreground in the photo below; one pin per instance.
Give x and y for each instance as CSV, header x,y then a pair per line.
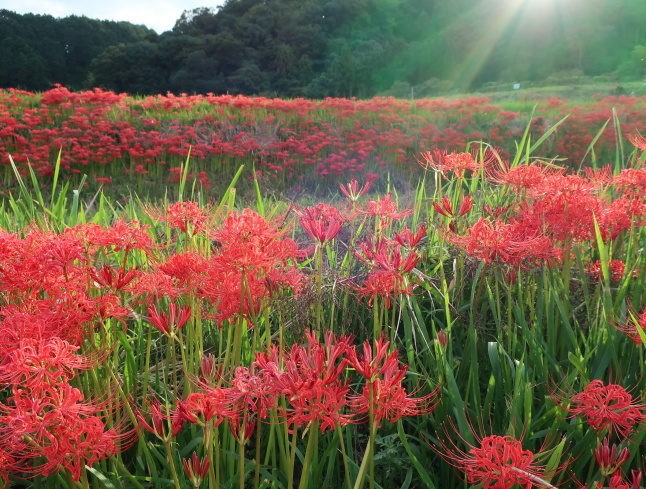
x,y
498,463
608,407
322,222
383,393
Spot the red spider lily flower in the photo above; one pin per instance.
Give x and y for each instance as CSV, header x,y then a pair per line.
x,y
608,460
386,210
196,468
186,216
61,429
386,255
160,415
442,162
384,284
311,382
446,207
127,236
322,222
607,407
383,393
618,482
352,190
251,396
638,141
630,328
616,268
507,243
499,462
408,240
106,276
171,322
522,176
252,249
495,212
48,361
202,407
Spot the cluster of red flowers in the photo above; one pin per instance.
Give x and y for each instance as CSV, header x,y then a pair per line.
x,y
549,211
63,292
282,137
314,380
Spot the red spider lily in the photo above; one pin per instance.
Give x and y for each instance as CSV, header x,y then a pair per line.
x,y
386,255
61,429
616,268
408,240
386,210
201,407
311,382
446,207
383,393
169,323
443,162
384,284
35,362
186,216
638,141
160,415
618,482
196,468
499,462
495,212
251,396
126,236
105,276
608,460
252,250
352,190
607,407
322,222
630,328
507,243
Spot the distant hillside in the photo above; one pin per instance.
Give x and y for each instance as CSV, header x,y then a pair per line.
x,y
37,51
343,48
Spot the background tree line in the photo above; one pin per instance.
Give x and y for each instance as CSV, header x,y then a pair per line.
x,y
319,48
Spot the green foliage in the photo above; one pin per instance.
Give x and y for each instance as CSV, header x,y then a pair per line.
x,y
319,48
39,50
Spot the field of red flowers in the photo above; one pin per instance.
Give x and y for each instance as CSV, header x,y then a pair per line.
x,y
487,333
109,136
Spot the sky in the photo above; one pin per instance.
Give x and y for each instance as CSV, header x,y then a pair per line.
x,y
159,15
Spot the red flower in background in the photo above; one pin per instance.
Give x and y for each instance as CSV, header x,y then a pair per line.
x,y
630,328
444,162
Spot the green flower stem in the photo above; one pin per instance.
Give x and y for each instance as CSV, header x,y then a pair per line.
x,y
171,462
339,431
256,478
209,430
312,446
292,461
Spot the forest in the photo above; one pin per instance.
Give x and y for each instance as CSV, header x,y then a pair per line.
x,y
332,48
